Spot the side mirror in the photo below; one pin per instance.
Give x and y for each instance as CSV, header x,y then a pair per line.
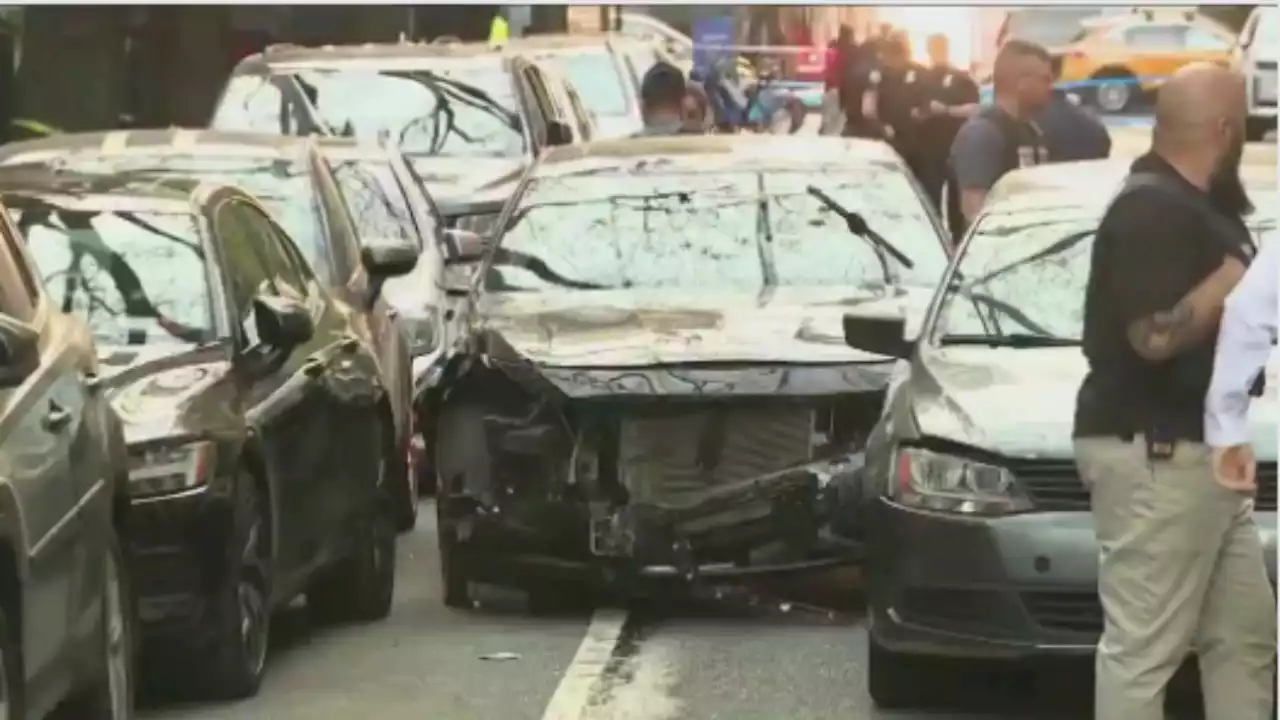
x,y
559,133
388,258
465,246
882,336
19,351
283,323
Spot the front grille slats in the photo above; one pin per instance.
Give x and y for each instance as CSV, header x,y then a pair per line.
x,y
1054,485
1064,610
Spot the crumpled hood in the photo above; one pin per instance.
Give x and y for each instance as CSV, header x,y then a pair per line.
x,y
447,178
163,392
635,328
1021,402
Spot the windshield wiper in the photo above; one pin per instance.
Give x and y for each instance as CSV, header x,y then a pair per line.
x,y
1011,340
859,227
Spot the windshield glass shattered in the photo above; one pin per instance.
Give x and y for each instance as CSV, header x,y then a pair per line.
x,y
450,108
727,228
137,278
1024,273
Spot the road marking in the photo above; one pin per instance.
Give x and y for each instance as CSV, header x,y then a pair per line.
x,y
587,667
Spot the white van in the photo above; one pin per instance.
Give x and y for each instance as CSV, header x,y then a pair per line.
x,y
1255,54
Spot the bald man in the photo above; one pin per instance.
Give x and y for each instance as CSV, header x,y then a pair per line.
x,y
1181,563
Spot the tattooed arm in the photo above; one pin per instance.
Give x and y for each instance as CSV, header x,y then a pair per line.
x,y
1166,333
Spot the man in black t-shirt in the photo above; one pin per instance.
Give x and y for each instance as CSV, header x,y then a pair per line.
x,y
945,97
1000,137
1182,566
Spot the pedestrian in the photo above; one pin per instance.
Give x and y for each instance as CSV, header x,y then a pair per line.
x,y
946,97
1002,136
1070,131
880,101
1181,568
662,100
697,115
841,55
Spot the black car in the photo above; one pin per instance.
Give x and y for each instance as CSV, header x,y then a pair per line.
x,y
653,382
67,621
467,115
253,408
978,539
297,186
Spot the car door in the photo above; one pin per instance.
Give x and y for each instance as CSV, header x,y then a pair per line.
x,y
39,419
533,96
284,408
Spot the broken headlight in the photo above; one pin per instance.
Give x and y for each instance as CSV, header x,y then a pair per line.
x,y
420,333
167,469
949,483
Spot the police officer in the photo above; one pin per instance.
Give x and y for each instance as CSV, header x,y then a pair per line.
x,y
888,97
946,97
1001,137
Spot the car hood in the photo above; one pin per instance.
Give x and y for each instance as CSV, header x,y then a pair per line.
x,y
166,392
639,328
448,178
610,127
1021,403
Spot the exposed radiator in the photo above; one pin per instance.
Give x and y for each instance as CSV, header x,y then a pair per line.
x,y
670,460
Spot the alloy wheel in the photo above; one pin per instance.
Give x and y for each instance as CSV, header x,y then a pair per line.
x,y
1113,96
251,601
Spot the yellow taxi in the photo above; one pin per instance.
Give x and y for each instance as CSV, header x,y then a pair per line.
x,y
1126,55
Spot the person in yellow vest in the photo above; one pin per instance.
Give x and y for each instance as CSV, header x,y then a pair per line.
x,y
499,31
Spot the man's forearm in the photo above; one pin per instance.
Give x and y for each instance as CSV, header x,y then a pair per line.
x,y
1191,321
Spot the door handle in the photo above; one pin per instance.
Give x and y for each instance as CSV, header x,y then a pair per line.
x,y
56,418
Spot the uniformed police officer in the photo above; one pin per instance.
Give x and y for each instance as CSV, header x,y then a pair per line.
x,y
889,97
1002,136
946,97
1070,131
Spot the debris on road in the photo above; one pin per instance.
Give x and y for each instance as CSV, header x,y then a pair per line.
x,y
501,656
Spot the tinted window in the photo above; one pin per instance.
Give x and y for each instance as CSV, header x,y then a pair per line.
x,y
597,76
284,272
453,109
138,278
375,199
1156,37
660,226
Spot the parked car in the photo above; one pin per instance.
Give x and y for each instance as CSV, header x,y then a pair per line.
x,y
465,114
674,44
296,185
1255,53
235,371
973,459
1127,55
67,612
653,383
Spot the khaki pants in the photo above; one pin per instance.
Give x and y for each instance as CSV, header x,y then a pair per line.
x,y
1182,571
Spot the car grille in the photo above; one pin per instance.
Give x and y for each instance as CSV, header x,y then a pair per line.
x,y
1068,611
1056,486
668,459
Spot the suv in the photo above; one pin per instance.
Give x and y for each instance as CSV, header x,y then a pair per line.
x,y
1256,53
467,115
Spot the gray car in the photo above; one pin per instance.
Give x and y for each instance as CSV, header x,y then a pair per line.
x,y
976,528
66,608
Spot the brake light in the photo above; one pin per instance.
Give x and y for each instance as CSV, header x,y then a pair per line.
x,y
904,473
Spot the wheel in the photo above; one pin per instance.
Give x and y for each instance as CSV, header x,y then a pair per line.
x,y
111,696
1256,128
894,681
1116,93
361,586
240,609
12,687
462,461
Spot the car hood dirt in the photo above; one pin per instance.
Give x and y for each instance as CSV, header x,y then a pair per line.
x,y
633,328
448,178
1021,403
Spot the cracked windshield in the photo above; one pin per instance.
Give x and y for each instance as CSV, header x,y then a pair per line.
x,y
137,278
455,109
598,78
657,227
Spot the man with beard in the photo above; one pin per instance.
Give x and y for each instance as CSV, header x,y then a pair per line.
x,y
1181,563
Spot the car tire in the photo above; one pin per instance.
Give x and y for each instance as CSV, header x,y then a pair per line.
x,y
1119,94
111,696
894,681
13,692
240,608
361,586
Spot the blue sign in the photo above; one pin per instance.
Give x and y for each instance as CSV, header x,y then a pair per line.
x,y
710,32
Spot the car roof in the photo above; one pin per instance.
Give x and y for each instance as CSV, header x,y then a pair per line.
x,y
367,53
795,151
178,141
544,44
135,192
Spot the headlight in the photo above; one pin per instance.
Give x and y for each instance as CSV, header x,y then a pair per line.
x,y
420,333
165,469
935,481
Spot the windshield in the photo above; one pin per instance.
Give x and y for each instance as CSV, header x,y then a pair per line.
x,y
731,228
598,78
1024,273
456,109
137,278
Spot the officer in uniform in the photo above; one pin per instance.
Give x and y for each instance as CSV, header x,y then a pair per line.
x,y
889,96
946,97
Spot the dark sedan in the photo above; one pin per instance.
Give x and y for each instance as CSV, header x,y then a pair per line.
x,y
653,383
234,371
978,538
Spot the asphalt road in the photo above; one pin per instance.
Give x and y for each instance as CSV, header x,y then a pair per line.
x,y
708,661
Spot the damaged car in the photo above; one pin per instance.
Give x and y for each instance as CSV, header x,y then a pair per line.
x,y
653,383
976,529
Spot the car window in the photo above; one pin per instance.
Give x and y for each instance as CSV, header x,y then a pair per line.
x,y
1267,30
715,228
280,263
445,109
1156,38
378,205
598,78
1201,40
639,59
137,278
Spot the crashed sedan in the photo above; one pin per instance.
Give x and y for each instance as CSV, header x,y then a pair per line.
x,y
978,538
654,384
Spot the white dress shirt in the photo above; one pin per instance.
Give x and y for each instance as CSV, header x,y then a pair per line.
x,y
1245,338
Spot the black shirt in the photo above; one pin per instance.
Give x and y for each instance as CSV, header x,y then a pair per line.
x,y
951,87
1072,133
1152,247
989,144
